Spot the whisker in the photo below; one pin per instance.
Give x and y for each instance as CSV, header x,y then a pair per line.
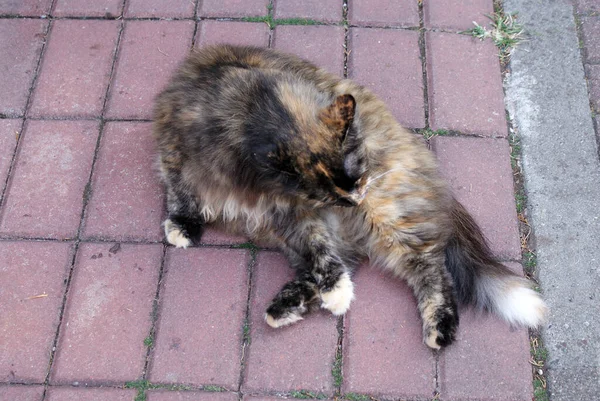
x,y
371,180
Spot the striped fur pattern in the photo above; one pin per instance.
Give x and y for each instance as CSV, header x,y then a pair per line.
x,y
268,145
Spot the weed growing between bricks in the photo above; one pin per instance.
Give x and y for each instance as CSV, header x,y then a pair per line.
x,y
149,340
142,385
273,22
246,339
505,32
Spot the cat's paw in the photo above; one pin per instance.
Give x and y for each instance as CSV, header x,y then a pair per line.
x,y
279,314
443,333
175,235
288,318
338,300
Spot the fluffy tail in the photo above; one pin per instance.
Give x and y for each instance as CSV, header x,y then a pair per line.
x,y
483,282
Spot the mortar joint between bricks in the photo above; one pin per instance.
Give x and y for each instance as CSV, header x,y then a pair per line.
x,y
196,25
246,339
67,287
423,57
150,341
346,36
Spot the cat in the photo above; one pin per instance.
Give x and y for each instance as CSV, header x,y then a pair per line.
x,y
271,146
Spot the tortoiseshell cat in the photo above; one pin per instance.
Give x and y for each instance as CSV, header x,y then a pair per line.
x,y
271,146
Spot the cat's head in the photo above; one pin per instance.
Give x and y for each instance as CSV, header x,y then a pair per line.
x,y
323,160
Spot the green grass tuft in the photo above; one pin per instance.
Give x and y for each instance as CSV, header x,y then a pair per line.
x,y
520,202
428,133
246,245
263,18
272,22
213,389
296,21
539,391
307,395
142,385
529,260
505,32
148,341
357,397
336,370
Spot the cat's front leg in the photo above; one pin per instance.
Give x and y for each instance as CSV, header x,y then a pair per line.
x,y
432,286
327,268
294,300
338,298
184,224
313,252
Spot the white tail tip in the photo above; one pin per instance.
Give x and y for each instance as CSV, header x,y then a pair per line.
x,y
520,305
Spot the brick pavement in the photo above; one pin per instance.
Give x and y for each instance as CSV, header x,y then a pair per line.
x,y
92,298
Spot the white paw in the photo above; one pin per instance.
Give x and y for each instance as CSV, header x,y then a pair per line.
x,y
175,236
338,300
288,319
431,340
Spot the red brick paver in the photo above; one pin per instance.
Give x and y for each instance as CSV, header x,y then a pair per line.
x,y
45,196
465,86
384,13
9,131
150,51
323,45
21,393
28,8
232,8
384,352
201,320
320,10
33,276
76,69
587,6
88,394
160,8
296,357
212,236
456,14
387,62
20,45
234,32
126,199
590,27
86,8
593,72
109,309
479,172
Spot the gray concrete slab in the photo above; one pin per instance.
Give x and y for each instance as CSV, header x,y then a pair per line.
x,y
547,99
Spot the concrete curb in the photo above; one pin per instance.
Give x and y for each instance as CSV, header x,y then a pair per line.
x,y
547,99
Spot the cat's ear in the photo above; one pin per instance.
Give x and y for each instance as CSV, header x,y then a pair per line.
x,y
339,114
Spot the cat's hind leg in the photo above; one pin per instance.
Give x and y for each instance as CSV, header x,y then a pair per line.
x,y
432,286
